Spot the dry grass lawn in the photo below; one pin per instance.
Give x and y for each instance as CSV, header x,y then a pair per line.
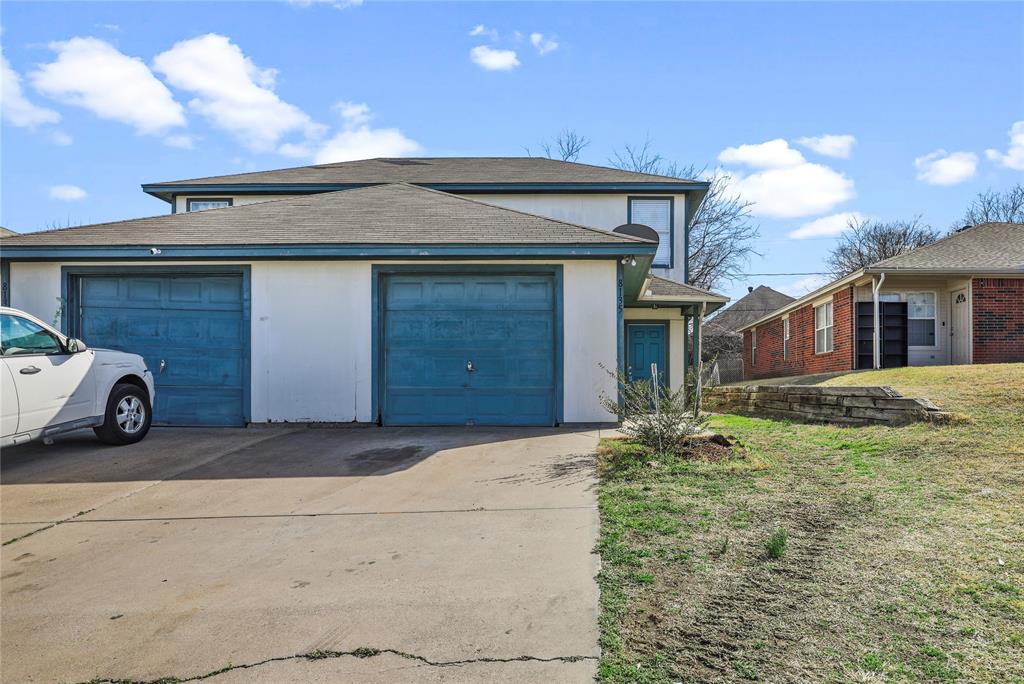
x,y
826,554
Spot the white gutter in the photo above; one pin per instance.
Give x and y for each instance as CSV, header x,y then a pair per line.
x,y
876,337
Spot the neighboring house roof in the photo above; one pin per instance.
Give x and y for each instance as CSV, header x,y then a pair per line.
x,y
393,214
985,246
6,232
437,170
759,302
663,287
984,249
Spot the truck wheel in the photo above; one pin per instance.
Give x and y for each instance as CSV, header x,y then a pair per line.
x,y
128,416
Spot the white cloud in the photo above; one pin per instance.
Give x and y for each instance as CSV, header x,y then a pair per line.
x,y
767,155
92,74
1014,157
184,142
61,138
804,286
67,193
785,185
544,45
16,108
356,139
494,60
364,142
826,226
946,168
353,113
481,30
829,145
235,94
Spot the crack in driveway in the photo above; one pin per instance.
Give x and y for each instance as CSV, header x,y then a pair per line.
x,y
361,652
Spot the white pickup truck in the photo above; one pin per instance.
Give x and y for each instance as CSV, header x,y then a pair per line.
x,y
51,384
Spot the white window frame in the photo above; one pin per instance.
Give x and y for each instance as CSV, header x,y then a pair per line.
x,y
829,325
785,339
934,319
671,224
753,347
188,202
901,296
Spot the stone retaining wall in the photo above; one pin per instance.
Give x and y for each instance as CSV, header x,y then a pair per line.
x,y
842,405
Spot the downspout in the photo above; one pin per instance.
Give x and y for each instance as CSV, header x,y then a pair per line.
x,y
876,336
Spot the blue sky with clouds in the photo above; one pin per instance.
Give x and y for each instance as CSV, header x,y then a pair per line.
x,y
817,110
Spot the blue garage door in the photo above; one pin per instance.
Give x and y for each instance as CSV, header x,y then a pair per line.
x,y
195,325
469,350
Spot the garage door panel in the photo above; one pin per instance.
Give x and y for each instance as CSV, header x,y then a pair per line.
x,y
435,324
195,324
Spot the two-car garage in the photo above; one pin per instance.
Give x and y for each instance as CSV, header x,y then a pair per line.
x,y
452,346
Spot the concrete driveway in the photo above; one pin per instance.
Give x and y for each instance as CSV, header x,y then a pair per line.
x,y
301,554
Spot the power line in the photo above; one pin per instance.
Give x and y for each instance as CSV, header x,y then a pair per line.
x,y
787,274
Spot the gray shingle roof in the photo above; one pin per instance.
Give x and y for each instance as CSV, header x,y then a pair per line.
x,y
381,214
761,302
985,246
431,170
663,287
6,232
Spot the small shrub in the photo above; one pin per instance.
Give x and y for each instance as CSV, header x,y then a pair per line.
x,y
776,544
655,416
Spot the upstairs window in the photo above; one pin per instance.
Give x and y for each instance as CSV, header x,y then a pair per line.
x,y
211,203
823,328
655,213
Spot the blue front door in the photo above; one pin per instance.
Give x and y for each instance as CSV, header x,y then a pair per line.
x,y
646,345
191,331
468,349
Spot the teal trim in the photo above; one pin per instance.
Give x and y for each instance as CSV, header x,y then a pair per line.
x,y
572,251
5,282
165,191
70,294
377,296
671,224
174,204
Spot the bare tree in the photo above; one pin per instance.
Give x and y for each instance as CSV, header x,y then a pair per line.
x,y
567,146
992,206
865,242
721,230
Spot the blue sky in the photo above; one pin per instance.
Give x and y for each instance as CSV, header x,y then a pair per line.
x,y
920,99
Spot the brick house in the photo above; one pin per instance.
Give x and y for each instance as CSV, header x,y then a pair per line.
x,y
958,300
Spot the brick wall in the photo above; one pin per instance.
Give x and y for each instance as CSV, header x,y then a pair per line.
x,y
802,359
998,313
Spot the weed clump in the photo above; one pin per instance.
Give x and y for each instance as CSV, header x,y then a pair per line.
x,y
775,547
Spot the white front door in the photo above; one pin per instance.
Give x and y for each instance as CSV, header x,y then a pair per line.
x,y
960,328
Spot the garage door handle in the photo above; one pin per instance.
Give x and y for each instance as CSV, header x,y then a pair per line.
x,y
469,367
29,370
163,364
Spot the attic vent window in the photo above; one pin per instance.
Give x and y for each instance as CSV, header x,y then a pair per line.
x,y
405,162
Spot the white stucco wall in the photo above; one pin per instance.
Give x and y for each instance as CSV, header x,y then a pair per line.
x,y
598,210
311,334
35,289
